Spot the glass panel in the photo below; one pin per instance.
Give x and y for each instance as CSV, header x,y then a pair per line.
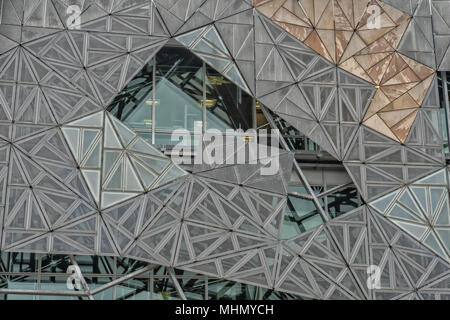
x,y
301,214
445,131
342,202
19,262
20,283
228,290
95,264
95,283
126,266
228,107
179,90
104,295
276,295
444,112
261,121
99,271
55,263
133,105
194,289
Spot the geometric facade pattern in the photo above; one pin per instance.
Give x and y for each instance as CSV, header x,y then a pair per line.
x,y
441,32
116,163
366,237
428,36
422,210
378,164
362,38
76,180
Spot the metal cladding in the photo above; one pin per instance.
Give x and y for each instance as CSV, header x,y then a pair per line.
x,y
76,180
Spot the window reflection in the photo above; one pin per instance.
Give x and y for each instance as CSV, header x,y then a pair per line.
x,y
179,90
228,107
16,274
294,138
444,111
301,214
342,201
133,105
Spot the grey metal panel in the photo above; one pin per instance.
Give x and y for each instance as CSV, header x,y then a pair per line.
x,y
226,221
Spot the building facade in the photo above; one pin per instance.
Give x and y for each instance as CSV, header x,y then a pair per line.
x,y
135,139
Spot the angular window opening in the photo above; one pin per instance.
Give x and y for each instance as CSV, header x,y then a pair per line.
x,y
134,104
295,139
177,90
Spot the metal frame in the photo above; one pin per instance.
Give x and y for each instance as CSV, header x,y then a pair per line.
x,y
446,106
142,274
69,141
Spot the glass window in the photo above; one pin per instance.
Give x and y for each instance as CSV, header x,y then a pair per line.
x,y
126,266
164,289
53,283
134,289
20,262
95,283
228,107
20,283
179,90
95,264
133,105
167,139
342,201
55,263
261,121
229,290
100,271
194,289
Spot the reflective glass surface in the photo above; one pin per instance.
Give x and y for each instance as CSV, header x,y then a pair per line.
x,y
275,295
301,214
98,272
133,105
444,111
228,107
342,202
